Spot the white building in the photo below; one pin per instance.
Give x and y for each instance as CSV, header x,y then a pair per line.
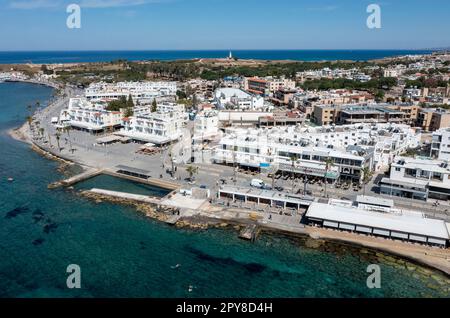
x,y
12,76
84,115
410,226
141,92
276,84
361,77
206,125
418,179
232,98
440,146
161,127
383,141
287,152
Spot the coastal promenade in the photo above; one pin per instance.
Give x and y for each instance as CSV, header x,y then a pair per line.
x,y
80,148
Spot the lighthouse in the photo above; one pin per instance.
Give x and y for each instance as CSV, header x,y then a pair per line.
x,y
230,57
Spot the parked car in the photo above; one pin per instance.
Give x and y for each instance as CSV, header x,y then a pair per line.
x,y
257,183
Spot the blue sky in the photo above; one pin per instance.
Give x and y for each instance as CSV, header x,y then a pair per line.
x,y
223,24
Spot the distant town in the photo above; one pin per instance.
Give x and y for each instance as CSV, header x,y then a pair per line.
x,y
337,147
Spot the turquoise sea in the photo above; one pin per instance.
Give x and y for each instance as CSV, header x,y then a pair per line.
x,y
48,57
123,254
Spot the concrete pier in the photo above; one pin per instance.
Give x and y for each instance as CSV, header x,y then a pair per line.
x,y
88,174
126,196
153,182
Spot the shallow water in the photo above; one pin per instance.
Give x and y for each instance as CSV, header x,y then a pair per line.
x,y
123,254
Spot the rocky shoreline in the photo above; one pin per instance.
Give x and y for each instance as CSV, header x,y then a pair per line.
x,y
436,278
203,222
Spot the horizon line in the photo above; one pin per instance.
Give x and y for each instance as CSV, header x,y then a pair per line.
x,y
219,50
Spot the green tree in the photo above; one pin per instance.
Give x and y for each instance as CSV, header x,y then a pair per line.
x,y
117,105
154,106
181,95
58,137
30,121
130,103
129,112
367,176
191,170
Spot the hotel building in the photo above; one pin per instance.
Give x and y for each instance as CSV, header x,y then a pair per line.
x,y
161,127
286,151
141,92
92,117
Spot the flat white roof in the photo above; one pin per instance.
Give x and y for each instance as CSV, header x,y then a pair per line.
x,y
364,199
407,223
266,194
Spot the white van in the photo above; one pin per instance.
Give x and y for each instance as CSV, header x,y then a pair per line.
x,y
256,183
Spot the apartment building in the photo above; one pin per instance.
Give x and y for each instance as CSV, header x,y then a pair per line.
x,y
91,117
440,147
141,92
283,96
237,99
326,73
385,141
431,119
206,125
325,115
201,87
161,127
307,101
288,153
420,179
268,85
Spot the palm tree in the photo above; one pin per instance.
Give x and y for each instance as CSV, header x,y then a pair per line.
x,y
172,163
192,171
30,121
58,137
367,176
66,129
328,164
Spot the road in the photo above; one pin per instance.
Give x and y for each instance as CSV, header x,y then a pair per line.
x,y
86,152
